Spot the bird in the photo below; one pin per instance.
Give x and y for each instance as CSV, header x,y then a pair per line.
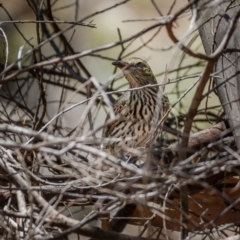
x,y
138,111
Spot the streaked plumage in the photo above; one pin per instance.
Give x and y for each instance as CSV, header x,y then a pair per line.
x,y
138,111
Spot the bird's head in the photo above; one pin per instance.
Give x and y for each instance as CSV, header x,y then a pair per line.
x,y
137,71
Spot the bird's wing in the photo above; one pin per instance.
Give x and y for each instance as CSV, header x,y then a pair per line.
x,y
120,111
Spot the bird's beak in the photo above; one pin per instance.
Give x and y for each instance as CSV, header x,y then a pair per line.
x,y
120,64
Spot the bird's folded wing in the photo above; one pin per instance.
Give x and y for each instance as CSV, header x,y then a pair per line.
x,y
120,111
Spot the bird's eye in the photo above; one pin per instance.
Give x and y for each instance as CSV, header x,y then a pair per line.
x,y
139,64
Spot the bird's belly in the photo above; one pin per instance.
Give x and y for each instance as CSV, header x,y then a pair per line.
x,y
135,134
